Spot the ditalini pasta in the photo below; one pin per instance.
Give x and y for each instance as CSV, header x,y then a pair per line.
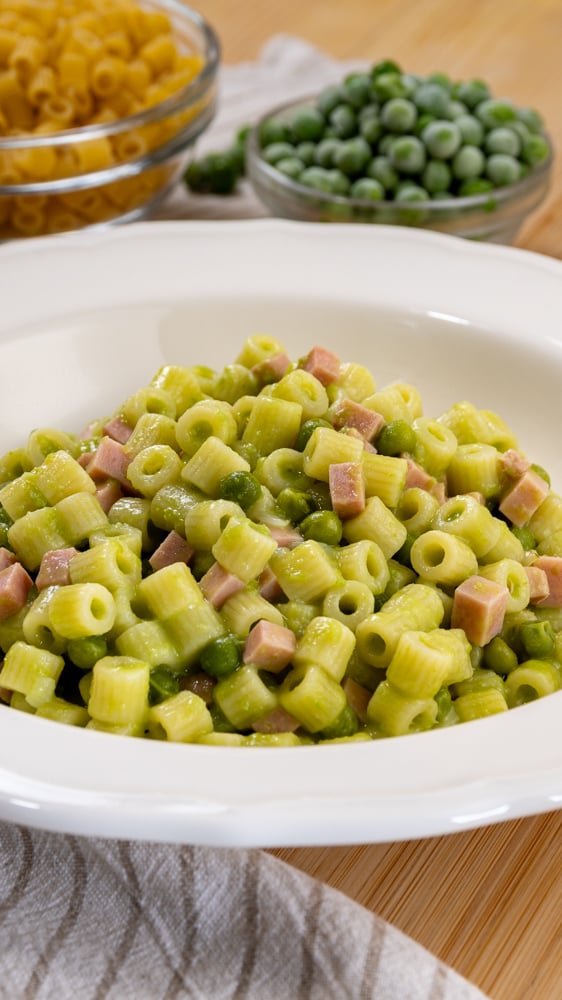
x,y
66,64
278,553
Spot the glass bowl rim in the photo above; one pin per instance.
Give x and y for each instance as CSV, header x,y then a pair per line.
x,y
176,102
323,199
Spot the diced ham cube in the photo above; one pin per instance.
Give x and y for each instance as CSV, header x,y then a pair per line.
x,y
7,558
358,697
552,566
173,549
276,721
271,369
15,584
525,496
108,494
439,491
218,585
54,568
479,609
270,646
286,537
269,585
85,458
348,413
323,364
479,497
538,583
417,476
110,461
118,429
347,488
513,463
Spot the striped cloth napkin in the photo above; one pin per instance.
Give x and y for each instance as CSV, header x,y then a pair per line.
x,y
93,919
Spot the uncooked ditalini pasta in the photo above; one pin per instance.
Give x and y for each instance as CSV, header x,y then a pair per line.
x,y
277,553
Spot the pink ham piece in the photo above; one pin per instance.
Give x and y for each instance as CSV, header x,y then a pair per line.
x,y
417,476
358,697
439,491
479,609
286,537
7,558
217,585
110,461
538,584
347,488
276,721
552,566
270,646
323,364
118,429
54,569
15,584
173,549
522,500
108,494
513,463
271,369
269,585
348,413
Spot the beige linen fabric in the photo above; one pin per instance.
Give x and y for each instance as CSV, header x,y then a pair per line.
x,y
96,919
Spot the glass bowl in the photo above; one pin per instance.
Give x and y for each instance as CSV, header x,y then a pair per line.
x,y
116,168
494,216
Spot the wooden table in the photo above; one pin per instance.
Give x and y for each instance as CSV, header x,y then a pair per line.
x,y
488,902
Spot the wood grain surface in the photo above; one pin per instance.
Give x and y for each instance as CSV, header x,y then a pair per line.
x,y
489,901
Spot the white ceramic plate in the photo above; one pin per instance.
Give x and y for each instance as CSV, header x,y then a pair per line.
x,y
85,320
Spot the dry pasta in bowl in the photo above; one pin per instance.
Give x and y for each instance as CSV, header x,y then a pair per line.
x,y
99,103
277,553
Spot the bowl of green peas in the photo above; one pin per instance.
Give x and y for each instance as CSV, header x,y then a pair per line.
x,y
390,147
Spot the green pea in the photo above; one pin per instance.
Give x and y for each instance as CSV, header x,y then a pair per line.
x,y
357,89
371,129
386,143
329,98
308,428
476,185
444,705
201,563
407,154
241,487
456,109
494,112
291,166
322,526
295,504
442,79
396,437
385,66
308,125
221,656
215,173
502,169
468,162
163,684
277,151
436,176
339,183
399,115
346,724
422,122
541,472
220,722
352,156
535,150
387,85
343,121
86,651
432,97
380,169
502,140
274,130
325,152
317,178
471,130
305,152
367,189
499,657
472,92
441,139
537,639
531,118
